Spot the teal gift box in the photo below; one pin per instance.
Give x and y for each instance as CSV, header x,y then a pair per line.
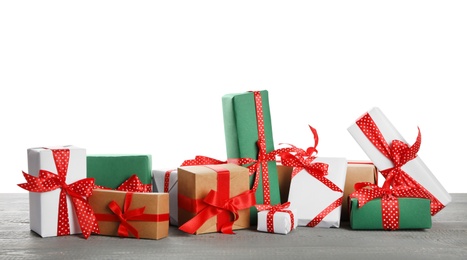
x,y
111,171
241,137
414,213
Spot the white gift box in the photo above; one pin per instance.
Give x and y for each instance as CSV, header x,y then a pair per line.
x,y
415,168
282,221
44,206
310,196
158,177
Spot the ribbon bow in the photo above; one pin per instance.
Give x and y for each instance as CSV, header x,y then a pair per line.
x,y
366,191
124,215
132,184
399,153
79,191
272,210
302,159
226,210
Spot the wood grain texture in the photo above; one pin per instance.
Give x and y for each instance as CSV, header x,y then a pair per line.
x,y
447,239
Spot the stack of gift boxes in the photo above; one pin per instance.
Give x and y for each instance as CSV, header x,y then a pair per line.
x,y
258,186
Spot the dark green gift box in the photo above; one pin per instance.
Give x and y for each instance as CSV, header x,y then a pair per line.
x,y
241,136
414,213
112,170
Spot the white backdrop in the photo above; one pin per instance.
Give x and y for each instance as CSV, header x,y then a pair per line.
x,y
148,76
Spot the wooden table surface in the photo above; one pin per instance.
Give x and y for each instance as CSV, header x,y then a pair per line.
x,y
447,239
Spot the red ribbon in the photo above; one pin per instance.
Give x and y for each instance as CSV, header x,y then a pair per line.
x,y
202,160
272,211
217,203
167,180
366,191
198,160
259,165
132,184
78,191
303,160
399,153
126,215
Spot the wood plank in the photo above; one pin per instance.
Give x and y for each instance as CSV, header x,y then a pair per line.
x,y
447,239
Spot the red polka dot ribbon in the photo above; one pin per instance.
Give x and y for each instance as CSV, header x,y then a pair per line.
x,y
259,166
78,191
367,191
399,153
316,220
202,160
167,180
300,160
198,160
132,184
272,210
125,214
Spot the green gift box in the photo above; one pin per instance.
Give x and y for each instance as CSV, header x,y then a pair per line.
x,y
111,171
414,213
241,137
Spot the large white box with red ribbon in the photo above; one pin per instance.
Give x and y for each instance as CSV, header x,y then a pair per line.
x,y
316,192
167,181
378,138
56,169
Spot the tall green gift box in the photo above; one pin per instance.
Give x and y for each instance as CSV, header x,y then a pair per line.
x,y
112,170
414,213
241,136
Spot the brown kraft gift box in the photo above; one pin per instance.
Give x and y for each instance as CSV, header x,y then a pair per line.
x,y
357,171
284,174
156,207
195,182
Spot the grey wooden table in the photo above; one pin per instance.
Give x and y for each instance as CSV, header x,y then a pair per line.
x,y
447,239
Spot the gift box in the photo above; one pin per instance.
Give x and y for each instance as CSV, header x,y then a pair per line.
x,y
110,171
167,181
213,198
54,172
377,136
131,214
414,213
317,192
284,175
279,220
248,134
356,172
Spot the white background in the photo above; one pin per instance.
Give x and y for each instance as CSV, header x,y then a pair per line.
x,y
148,76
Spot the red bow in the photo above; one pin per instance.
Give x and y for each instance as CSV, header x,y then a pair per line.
x,y
132,184
272,210
367,191
302,159
224,209
79,191
125,215
399,153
